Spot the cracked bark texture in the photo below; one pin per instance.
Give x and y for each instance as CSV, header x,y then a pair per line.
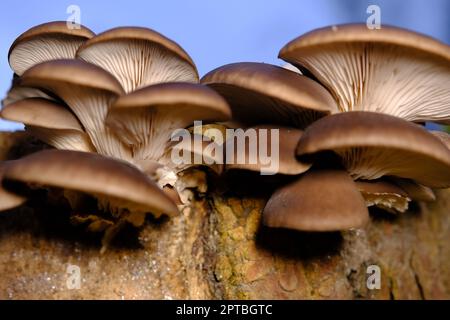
x,y
218,249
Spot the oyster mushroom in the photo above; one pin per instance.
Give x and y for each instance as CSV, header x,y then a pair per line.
x,y
384,195
89,91
48,41
18,92
323,200
121,189
373,145
139,57
49,122
390,70
146,119
260,93
443,136
415,191
8,199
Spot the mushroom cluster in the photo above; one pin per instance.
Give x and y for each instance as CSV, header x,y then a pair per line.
x,y
351,122
109,103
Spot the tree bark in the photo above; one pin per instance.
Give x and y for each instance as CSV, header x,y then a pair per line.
x,y
216,248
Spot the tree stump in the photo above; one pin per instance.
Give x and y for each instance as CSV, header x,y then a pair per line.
x,y
218,249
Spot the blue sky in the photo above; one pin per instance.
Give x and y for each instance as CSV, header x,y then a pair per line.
x,y
217,32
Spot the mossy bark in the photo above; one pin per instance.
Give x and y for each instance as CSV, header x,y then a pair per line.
x,y
217,249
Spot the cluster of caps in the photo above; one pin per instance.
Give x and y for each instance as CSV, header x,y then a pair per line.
x,y
109,103
351,122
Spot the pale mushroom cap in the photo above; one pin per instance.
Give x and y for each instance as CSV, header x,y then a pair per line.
x,y
48,41
146,119
138,33
259,93
391,70
42,113
70,72
384,195
324,200
18,92
139,57
8,200
286,144
50,122
92,174
89,91
373,145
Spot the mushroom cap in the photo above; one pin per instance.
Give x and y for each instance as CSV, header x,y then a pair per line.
x,y
373,145
202,102
47,41
89,92
42,113
8,200
146,57
18,92
138,33
146,118
287,142
384,195
323,200
414,190
70,72
264,93
391,70
50,122
443,136
117,181
349,33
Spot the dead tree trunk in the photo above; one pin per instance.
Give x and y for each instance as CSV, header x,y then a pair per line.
x,y
217,249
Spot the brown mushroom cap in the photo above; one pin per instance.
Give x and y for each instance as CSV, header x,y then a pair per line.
x,y
145,119
50,122
89,91
70,72
48,41
121,184
324,200
414,190
443,136
373,145
8,200
384,195
286,144
18,92
139,57
263,93
391,70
